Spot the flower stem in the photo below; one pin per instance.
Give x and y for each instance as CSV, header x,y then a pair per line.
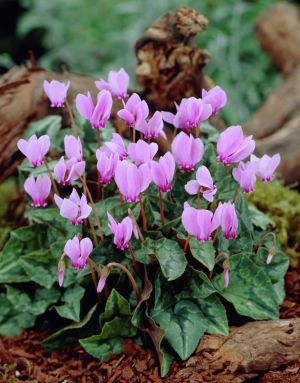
x,y
130,277
51,177
134,135
93,232
186,244
198,199
94,278
144,219
98,138
216,235
73,124
260,241
161,208
236,193
134,262
174,133
93,206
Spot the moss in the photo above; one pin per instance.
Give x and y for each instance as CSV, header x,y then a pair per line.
x,y
282,205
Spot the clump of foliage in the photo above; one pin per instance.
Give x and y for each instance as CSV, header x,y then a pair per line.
x,y
200,253
109,43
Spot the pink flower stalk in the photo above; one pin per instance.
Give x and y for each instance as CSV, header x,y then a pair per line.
x,y
203,184
68,171
225,216
117,83
162,172
78,251
116,145
135,110
38,189
97,114
153,127
106,165
132,180
190,112
215,97
141,152
198,222
266,166
245,175
74,208
233,147
187,151
122,231
56,92
35,149
73,147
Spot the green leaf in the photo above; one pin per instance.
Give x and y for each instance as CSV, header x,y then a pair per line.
x,y
71,308
259,219
171,258
215,313
102,349
203,252
116,305
250,289
184,326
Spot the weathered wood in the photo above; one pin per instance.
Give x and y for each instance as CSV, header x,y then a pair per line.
x,y
248,351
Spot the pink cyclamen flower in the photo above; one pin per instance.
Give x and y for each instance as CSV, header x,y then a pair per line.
x,y
187,151
38,189
78,251
225,217
198,222
97,114
203,184
106,166
56,92
117,83
132,180
35,149
68,171
135,110
266,166
73,147
152,128
245,175
116,145
141,152
74,208
162,172
215,97
190,112
233,147
122,231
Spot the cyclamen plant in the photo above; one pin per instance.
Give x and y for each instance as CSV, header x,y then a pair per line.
x,y
187,251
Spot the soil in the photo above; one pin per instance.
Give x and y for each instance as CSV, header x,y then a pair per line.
x,y
23,359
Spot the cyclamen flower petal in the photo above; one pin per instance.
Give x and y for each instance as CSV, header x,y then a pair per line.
x,y
35,149
190,112
141,152
97,114
132,180
198,222
106,166
225,216
122,231
162,172
116,145
69,171
78,251
74,208
153,127
266,166
203,183
245,175
38,189
187,151
135,110
56,92
117,83
215,97
73,147
233,147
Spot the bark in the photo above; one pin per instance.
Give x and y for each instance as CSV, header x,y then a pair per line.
x,y
248,351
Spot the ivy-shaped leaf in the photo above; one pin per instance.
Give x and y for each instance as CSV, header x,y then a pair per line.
x,y
203,252
71,307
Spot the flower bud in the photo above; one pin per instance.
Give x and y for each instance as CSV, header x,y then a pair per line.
x,y
61,271
226,272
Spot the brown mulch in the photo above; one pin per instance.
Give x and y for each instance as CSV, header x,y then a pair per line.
x,y
22,358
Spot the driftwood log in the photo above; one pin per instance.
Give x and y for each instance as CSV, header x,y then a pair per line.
x,y
276,125
248,351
